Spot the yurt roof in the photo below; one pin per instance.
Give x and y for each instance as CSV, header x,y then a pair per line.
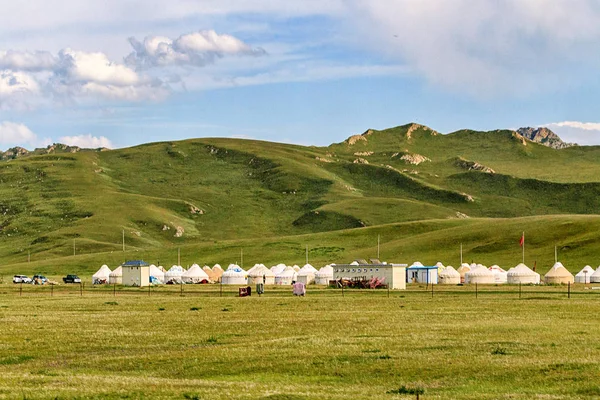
x,y
559,270
496,268
597,272
195,272
117,272
416,264
287,272
449,271
308,268
154,271
522,270
480,271
236,268
254,267
261,270
176,268
325,271
464,268
439,264
103,271
586,271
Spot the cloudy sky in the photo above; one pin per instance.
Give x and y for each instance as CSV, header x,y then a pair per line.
x,y
117,73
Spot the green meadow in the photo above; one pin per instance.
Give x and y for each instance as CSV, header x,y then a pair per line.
x,y
328,345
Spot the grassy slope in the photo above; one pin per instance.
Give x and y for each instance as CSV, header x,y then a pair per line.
x,y
278,347
272,199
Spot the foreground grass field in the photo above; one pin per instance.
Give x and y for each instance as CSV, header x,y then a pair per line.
x,y
361,345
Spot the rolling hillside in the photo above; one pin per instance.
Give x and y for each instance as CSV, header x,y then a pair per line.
x,y
423,192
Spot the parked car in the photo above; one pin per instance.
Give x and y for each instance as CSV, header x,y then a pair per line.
x,y
39,280
71,279
21,279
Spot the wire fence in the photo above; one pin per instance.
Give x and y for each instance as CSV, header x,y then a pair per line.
x,y
217,290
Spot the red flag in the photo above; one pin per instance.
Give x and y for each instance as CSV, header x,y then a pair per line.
x,y
522,240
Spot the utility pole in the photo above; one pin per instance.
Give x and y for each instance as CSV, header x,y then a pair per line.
x,y
378,237
73,246
179,256
242,258
123,240
306,254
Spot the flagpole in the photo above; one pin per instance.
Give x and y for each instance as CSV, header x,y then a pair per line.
x,y
461,259
523,247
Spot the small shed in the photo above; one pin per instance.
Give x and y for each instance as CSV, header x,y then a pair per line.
x,y
418,273
136,273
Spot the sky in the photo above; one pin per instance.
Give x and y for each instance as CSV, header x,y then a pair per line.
x,y
117,73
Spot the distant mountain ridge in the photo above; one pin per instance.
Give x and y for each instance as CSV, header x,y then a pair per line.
x,y
544,136
18,152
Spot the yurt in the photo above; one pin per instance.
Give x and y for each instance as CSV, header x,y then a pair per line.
x,y
305,276
523,274
261,274
309,268
209,272
156,273
500,275
416,264
253,268
324,275
462,270
102,276
286,277
449,276
480,275
559,274
595,278
277,269
195,275
116,277
440,267
584,275
234,275
296,268
162,268
173,275
217,272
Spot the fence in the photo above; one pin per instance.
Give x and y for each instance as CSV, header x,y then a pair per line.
x,y
215,290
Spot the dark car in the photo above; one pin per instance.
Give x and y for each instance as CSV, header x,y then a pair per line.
x,y
71,279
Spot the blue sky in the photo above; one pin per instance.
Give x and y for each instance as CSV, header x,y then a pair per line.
x,y
123,72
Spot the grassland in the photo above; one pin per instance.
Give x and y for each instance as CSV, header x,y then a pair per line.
x,y
325,346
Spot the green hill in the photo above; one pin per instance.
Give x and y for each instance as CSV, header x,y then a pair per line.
x,y
423,192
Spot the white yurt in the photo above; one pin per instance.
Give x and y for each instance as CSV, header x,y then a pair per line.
x,y
584,275
217,272
306,274
116,276
253,268
261,274
234,275
324,275
462,270
559,274
286,277
523,274
102,276
195,275
162,268
416,264
595,278
296,268
209,272
449,276
277,269
440,267
174,274
500,275
480,275
157,273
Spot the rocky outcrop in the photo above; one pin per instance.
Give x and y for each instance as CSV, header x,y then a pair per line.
x,y
363,153
415,127
352,140
472,166
14,152
56,148
414,159
360,161
544,136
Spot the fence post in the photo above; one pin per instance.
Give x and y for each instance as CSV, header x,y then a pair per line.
x,y
115,289
21,290
343,289
181,286
519,289
476,294
80,289
432,290
51,290
148,290
388,290
569,289
221,290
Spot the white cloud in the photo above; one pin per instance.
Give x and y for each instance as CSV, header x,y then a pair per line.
x,y
26,61
483,47
12,133
586,126
79,66
583,133
197,49
86,141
